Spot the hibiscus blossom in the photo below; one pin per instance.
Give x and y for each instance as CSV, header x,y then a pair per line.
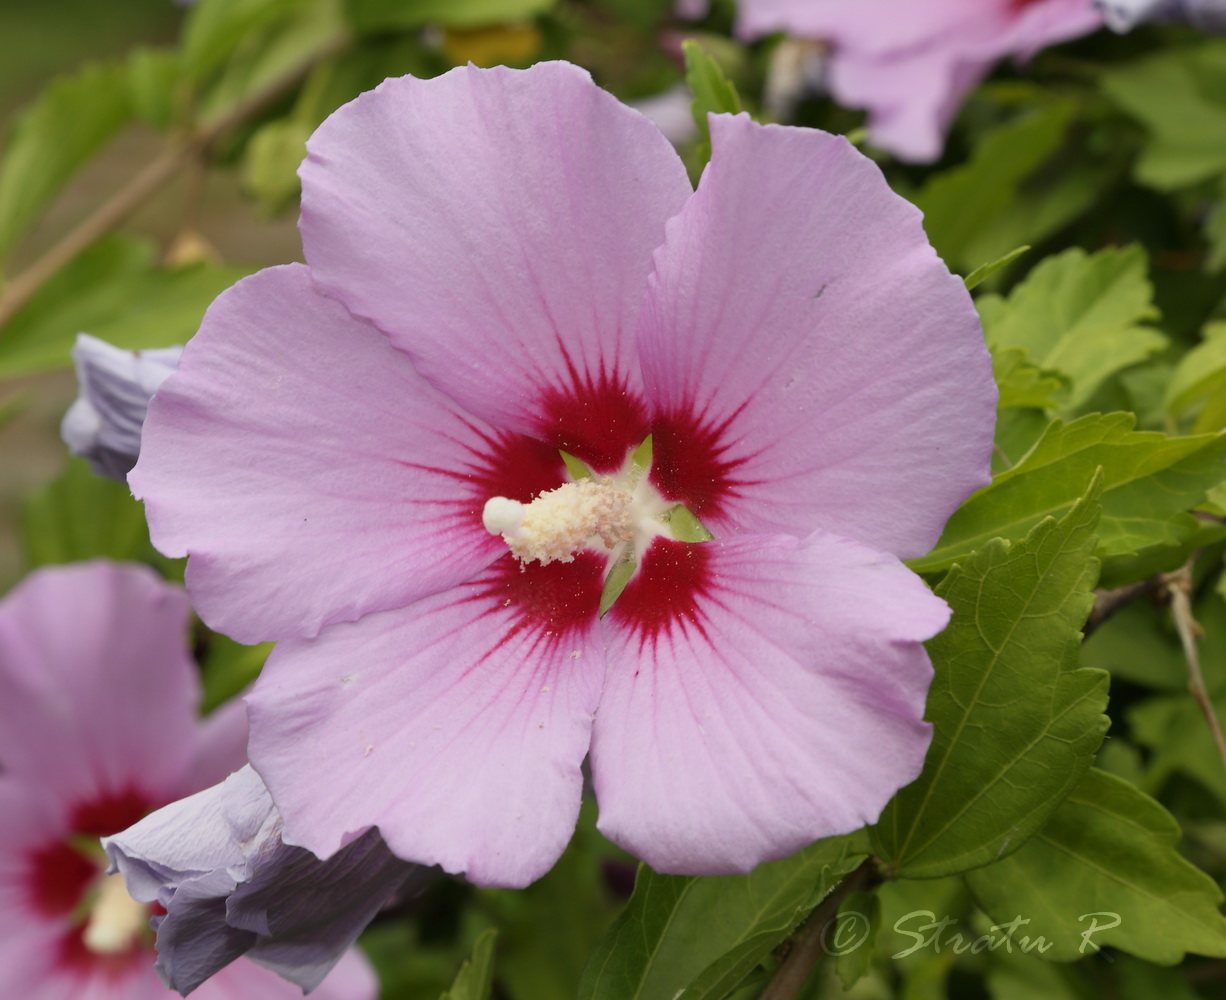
x,y
97,727
511,284
911,62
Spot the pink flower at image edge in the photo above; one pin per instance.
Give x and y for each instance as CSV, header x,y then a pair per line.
x,y
98,726
504,266
911,63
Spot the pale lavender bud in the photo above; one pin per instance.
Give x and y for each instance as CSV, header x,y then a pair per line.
x,y
1124,15
103,425
230,886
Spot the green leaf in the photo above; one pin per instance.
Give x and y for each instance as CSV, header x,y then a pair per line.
x,y
80,516
270,165
1174,729
704,935
1015,723
153,78
114,291
985,271
215,29
1078,314
56,135
1215,234
858,921
381,15
1149,480
1185,145
713,93
476,976
1105,872
961,204
229,668
1021,384
1200,378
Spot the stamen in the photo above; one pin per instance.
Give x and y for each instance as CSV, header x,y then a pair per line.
x,y
116,920
561,522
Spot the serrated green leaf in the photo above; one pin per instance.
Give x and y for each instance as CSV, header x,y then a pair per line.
x,y
713,93
960,204
476,976
381,15
115,291
1079,315
1015,723
56,135
1104,872
985,271
1149,480
704,935
1184,146
1022,384
1174,729
153,77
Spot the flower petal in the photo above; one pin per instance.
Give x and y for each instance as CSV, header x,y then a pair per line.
x,y
352,979
96,686
810,354
456,725
311,474
498,224
220,747
773,698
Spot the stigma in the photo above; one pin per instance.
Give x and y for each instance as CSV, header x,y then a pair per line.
x,y
563,521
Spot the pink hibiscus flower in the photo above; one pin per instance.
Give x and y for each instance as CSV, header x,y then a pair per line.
x,y
911,62
98,727
505,266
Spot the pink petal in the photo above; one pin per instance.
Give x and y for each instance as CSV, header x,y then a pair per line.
x,y
760,693
456,725
96,687
814,362
311,474
499,225
352,979
220,748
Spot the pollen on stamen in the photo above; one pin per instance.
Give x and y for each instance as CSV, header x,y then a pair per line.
x,y
562,521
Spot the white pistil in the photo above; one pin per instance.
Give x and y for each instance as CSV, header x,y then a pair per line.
x,y
116,920
561,522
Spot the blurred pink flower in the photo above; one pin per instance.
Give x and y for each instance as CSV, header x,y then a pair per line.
x,y
98,726
505,266
910,63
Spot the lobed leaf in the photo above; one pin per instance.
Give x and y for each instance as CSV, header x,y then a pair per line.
x,y
1078,314
1104,872
1015,724
1150,480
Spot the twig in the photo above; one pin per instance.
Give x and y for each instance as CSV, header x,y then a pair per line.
x,y
1179,586
806,948
1108,602
131,196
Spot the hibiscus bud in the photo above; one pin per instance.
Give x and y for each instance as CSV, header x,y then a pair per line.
x,y
230,886
1124,15
103,425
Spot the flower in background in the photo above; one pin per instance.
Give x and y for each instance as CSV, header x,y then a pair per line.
x,y
98,727
910,63
1124,15
103,425
511,284
216,864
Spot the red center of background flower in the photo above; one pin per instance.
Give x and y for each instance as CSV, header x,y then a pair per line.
x,y
61,875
